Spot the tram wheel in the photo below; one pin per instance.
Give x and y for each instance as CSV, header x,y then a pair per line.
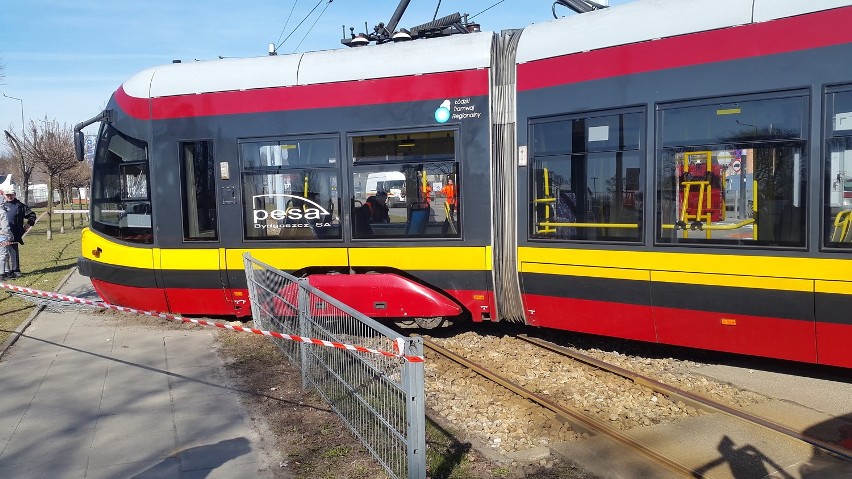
x,y
429,323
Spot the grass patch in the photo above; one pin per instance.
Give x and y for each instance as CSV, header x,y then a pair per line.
x,y
447,458
336,451
44,264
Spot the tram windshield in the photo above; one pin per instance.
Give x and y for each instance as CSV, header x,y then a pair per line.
x,y
121,202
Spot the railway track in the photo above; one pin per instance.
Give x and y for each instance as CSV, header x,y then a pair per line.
x,y
685,464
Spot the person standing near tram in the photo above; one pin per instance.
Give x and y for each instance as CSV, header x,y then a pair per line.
x,y
19,218
5,245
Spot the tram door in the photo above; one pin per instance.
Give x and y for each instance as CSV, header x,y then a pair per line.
x,y
193,275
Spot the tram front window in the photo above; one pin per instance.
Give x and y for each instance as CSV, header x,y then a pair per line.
x,y
733,172
121,203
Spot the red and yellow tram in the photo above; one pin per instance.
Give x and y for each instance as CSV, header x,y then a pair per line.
x,y
662,171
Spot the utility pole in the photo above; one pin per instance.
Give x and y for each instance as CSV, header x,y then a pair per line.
x,y
23,126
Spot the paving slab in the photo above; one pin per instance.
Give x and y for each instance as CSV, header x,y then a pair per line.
x,y
85,395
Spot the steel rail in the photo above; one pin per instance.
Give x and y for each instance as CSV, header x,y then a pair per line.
x,y
696,400
569,415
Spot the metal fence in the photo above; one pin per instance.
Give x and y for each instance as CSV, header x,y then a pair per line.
x,y
380,397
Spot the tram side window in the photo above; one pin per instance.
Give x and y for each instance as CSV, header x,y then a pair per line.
x,y
838,171
733,172
406,186
121,203
199,191
587,177
291,189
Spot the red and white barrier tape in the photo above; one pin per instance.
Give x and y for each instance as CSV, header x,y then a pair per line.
x,y
398,344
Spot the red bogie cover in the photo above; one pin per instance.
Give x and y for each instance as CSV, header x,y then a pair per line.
x,y
385,295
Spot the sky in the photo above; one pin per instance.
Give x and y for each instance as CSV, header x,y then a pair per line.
x,y
62,60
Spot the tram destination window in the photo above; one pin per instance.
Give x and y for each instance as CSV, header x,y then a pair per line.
x,y
121,202
199,191
733,171
405,186
291,189
837,206
587,177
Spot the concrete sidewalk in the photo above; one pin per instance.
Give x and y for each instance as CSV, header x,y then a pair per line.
x,y
87,395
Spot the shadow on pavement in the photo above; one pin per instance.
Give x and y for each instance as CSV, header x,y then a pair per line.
x,y
207,457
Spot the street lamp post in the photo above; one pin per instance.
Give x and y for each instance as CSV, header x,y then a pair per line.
x,y
23,126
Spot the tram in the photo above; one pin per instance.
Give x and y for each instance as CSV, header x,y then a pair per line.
x,y
589,161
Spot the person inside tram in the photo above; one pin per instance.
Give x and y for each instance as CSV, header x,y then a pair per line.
x,y
566,212
427,193
374,210
449,192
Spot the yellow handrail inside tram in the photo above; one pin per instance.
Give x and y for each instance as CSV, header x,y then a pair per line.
x,y
841,225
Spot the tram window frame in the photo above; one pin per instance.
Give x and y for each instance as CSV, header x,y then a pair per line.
x,y
118,210
738,136
566,150
404,161
837,177
288,215
198,193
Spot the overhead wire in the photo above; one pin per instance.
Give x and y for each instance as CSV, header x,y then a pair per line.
x,y
300,24
435,16
287,22
312,25
489,8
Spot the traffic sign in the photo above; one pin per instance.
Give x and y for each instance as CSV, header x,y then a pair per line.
x,y
736,165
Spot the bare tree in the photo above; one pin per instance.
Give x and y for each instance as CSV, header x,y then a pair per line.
x,y
53,153
77,177
23,163
7,162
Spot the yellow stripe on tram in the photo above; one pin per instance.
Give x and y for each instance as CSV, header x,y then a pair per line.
x,y
751,282
587,271
460,258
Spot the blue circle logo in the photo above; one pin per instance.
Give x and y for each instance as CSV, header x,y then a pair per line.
x,y
442,115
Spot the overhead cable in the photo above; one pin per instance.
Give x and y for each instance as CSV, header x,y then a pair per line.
x,y
489,8
312,26
299,25
287,22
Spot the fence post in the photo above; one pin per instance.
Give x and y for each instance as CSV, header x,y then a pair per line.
x,y
415,408
304,319
250,285
379,396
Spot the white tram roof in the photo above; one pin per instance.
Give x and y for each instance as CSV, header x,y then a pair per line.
x,y
417,57
644,20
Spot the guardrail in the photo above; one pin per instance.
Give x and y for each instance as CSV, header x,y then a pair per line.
x,y
370,375
70,212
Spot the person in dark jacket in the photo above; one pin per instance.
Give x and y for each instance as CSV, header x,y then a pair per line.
x,y
374,210
20,218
